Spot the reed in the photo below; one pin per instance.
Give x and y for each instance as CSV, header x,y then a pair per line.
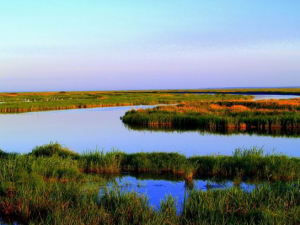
x,y
55,189
101,162
276,203
31,102
259,116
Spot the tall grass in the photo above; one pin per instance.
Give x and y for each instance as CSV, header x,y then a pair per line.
x,y
259,116
30,102
54,149
101,162
267,204
56,189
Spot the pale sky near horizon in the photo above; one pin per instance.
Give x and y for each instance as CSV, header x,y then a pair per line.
x,y
151,44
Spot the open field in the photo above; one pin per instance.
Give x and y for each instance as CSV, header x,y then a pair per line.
x,y
239,115
28,102
53,185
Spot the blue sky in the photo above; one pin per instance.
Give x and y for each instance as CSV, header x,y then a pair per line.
x,y
157,44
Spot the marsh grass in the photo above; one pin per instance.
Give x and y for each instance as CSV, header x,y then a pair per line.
x,y
54,149
222,116
55,189
31,102
101,162
276,203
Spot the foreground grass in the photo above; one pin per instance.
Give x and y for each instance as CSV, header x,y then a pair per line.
x,y
28,102
53,185
265,116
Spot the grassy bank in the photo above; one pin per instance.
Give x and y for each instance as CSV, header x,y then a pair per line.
x,y
261,116
53,185
28,102
254,163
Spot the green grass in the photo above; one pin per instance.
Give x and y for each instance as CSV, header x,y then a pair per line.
x,y
29,102
264,117
267,204
100,162
54,149
50,185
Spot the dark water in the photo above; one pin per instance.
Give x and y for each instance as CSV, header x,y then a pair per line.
x,y
7,221
157,187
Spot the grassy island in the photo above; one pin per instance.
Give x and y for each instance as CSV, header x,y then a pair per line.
x,y
226,115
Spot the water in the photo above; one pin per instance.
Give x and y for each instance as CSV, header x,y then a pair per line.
x,y
265,97
157,187
87,129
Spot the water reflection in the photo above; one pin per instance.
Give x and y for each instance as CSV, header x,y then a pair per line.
x,y
280,132
156,187
267,97
84,129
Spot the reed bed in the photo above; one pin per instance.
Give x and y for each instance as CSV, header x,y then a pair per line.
x,y
31,102
53,185
276,203
261,116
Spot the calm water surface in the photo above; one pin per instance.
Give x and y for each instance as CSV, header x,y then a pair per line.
x,y
261,97
86,129
157,187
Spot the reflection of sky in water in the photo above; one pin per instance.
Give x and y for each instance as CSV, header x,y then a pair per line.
x,y
84,129
156,190
261,97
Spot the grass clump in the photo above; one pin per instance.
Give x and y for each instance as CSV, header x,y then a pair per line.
x,y
157,162
101,162
54,149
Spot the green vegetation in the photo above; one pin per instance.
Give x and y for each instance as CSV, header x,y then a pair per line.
x,y
222,116
268,204
53,185
54,149
28,102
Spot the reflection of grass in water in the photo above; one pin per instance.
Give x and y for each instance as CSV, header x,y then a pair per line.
x,y
141,185
210,131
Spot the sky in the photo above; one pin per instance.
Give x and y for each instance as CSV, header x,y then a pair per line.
x,y
148,44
